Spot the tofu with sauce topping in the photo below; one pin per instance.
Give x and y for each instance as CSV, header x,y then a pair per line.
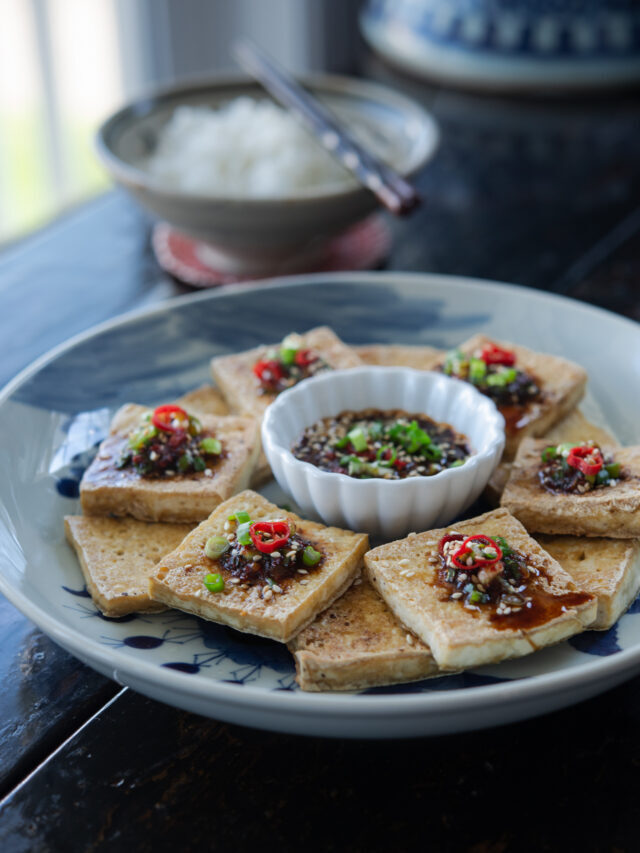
x,y
611,511
107,488
411,575
272,593
561,383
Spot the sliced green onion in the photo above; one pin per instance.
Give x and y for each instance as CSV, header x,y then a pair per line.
x,y
287,355
214,583
184,462
503,377
194,425
387,463
311,557
216,546
242,533
590,478
141,437
613,470
549,453
564,449
199,464
241,517
340,445
434,452
211,445
457,463
504,546
602,477
358,438
477,370
475,597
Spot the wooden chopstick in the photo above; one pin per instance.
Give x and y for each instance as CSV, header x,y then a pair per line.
x,y
396,194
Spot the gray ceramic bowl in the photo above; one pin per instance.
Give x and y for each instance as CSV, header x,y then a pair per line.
x,y
260,234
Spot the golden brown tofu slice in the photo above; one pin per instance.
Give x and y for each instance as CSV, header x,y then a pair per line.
x,y
609,511
358,643
608,568
117,555
107,489
277,610
408,575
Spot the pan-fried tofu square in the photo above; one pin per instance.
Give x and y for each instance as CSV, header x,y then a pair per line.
x,y
117,555
574,427
532,390
285,363
111,488
420,357
612,511
358,643
274,592
503,603
608,568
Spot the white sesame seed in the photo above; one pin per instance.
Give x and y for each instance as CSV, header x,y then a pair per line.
x,y
456,595
357,582
227,525
303,572
256,558
410,574
234,580
409,639
231,537
290,554
276,588
404,562
304,582
267,593
276,554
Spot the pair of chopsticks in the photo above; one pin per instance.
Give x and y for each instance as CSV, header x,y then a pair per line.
x,y
396,194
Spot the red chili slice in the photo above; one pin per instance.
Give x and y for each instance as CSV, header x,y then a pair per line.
x,y
480,561
492,354
450,537
305,357
268,371
268,536
587,459
170,419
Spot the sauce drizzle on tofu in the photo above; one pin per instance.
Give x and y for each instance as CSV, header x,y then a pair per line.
x,y
511,588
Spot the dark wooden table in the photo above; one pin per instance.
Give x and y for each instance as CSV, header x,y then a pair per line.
x,y
543,194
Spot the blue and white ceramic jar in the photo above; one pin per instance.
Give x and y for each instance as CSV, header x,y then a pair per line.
x,y
510,44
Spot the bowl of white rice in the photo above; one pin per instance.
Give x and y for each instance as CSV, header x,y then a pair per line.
x,y
222,163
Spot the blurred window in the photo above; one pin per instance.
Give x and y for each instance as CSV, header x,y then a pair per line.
x,y
66,64
59,76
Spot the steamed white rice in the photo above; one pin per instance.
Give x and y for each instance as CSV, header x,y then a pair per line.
x,y
247,148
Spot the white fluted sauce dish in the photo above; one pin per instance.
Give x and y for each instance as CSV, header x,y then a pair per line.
x,y
382,507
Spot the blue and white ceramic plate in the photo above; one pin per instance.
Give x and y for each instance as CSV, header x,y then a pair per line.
x,y
55,412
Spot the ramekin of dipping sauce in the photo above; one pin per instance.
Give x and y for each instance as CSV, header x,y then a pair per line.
x,y
412,449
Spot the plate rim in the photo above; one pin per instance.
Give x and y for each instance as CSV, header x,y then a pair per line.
x,y
345,705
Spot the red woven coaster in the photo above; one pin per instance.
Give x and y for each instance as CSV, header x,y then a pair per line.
x,y
364,246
